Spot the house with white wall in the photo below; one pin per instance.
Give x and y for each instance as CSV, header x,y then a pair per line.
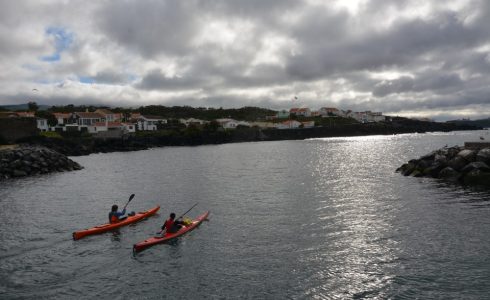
x,y
308,124
263,124
42,124
62,118
289,124
109,115
227,123
150,123
300,112
282,114
192,121
86,119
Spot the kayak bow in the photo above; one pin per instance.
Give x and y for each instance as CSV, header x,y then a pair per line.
x,y
169,236
107,227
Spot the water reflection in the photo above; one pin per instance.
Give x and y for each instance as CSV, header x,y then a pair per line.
x,y
319,219
354,220
116,235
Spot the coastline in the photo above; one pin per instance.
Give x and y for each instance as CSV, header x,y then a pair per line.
x,y
77,146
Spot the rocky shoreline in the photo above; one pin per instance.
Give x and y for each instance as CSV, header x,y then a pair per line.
x,y
25,161
460,164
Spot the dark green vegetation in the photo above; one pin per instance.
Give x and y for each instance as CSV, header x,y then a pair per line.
x,y
485,123
177,112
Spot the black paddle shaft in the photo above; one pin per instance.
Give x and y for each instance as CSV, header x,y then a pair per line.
x,y
187,211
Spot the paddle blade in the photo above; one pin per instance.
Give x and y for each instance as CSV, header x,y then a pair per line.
x,y
130,198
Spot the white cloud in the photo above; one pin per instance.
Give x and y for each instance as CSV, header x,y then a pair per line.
x,y
402,57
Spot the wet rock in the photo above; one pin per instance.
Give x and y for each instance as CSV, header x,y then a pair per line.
x,y
478,165
449,174
433,171
33,160
483,155
468,155
454,164
457,163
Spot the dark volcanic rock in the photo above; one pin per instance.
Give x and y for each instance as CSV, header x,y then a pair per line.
x,y
484,155
33,160
454,164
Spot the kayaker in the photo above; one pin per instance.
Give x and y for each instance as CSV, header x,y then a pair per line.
x,y
115,216
172,225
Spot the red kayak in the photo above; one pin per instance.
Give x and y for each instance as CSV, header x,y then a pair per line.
x,y
169,236
106,227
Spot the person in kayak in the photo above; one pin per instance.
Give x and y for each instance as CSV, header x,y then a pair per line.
x,y
115,216
172,225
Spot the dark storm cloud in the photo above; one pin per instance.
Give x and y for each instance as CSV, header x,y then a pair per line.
x,y
111,77
402,45
156,80
437,83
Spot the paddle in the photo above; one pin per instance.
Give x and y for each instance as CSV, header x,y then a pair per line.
x,y
187,211
130,198
181,216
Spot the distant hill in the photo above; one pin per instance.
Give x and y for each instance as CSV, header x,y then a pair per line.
x,y
485,123
17,107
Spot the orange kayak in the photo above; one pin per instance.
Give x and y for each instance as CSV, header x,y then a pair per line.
x,y
107,227
169,236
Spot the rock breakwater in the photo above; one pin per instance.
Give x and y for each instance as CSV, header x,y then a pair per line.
x,y
454,164
33,160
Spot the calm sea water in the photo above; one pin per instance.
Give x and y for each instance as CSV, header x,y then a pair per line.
x,y
314,219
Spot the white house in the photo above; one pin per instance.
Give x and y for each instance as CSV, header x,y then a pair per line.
x,y
366,116
308,124
62,118
112,126
289,124
85,119
192,121
303,112
129,127
109,115
147,122
227,123
42,124
263,124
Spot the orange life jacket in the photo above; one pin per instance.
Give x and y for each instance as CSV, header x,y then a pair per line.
x,y
114,218
169,224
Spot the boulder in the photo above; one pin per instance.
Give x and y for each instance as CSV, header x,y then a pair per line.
x,y
477,165
449,174
433,171
457,163
452,152
483,155
441,159
422,164
468,155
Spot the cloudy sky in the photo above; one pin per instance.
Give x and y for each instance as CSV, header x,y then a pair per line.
x,y
404,57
